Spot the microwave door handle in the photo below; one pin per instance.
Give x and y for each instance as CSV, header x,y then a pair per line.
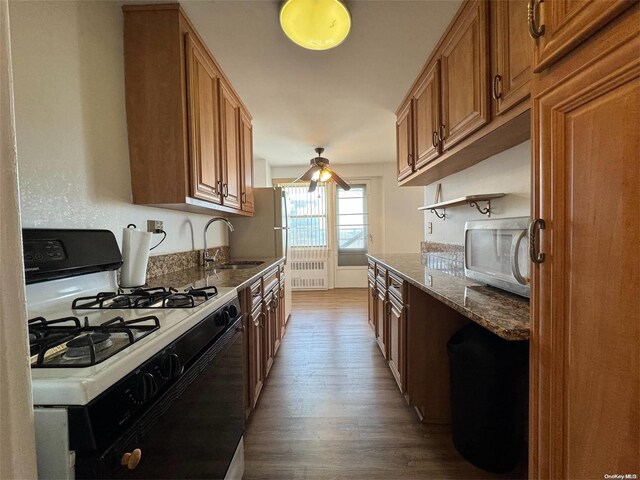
x,y
515,249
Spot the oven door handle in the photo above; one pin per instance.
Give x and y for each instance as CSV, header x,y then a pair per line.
x,y
515,250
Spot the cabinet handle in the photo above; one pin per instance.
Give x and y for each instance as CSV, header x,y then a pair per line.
x,y
262,317
442,133
409,159
244,197
131,459
495,93
434,139
225,189
218,187
535,31
534,252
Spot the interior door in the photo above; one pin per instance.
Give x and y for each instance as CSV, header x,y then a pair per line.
x,y
585,326
202,95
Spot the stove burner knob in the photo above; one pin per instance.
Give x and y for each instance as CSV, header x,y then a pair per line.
x,y
220,319
233,311
171,367
146,387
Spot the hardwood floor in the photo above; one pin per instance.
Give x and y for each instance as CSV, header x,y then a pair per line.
x,y
330,408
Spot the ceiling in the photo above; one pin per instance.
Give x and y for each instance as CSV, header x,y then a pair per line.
x,y
343,99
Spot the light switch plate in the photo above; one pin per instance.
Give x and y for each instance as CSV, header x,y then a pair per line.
x,y
429,227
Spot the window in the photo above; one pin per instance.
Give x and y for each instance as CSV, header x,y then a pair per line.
x,y
352,226
307,216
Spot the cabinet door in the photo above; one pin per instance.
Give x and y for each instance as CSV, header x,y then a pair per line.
x,y
256,354
426,116
281,309
246,138
464,63
204,139
230,136
397,340
511,54
404,142
381,321
585,328
567,23
269,335
371,304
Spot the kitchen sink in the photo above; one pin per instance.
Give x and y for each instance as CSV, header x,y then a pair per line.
x,y
238,265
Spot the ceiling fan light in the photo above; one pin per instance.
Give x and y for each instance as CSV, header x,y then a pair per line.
x,y
325,175
316,175
315,24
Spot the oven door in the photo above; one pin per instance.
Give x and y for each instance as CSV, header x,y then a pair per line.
x,y
192,431
496,253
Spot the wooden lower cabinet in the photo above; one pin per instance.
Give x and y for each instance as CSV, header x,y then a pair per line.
x,y
585,320
255,354
371,304
397,340
380,302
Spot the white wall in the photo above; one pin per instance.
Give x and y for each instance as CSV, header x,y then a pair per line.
x,y
507,172
71,124
395,222
261,173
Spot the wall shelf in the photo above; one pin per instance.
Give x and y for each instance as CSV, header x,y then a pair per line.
x,y
471,200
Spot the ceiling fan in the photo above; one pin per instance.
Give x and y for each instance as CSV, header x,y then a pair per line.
x,y
320,171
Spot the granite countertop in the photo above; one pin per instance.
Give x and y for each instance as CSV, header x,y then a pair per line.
x,y
501,312
199,277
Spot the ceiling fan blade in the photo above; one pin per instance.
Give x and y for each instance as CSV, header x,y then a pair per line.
x,y
308,174
312,186
340,181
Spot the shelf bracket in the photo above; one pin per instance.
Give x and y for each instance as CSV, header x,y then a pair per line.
x,y
433,210
484,211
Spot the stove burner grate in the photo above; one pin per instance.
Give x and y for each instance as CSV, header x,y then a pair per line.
x,y
66,342
153,297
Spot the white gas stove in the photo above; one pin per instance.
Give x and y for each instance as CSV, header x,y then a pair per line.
x,y
113,369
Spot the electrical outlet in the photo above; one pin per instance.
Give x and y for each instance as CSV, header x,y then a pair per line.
x,y
154,226
429,281
429,227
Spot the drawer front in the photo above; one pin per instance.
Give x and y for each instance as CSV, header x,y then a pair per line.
x,y
381,276
270,280
371,270
256,295
396,287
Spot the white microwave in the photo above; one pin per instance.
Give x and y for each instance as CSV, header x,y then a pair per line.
x,y
496,252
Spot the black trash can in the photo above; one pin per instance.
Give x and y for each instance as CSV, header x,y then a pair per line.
x,y
489,389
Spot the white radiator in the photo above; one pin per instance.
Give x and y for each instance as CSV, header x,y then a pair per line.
x,y
309,269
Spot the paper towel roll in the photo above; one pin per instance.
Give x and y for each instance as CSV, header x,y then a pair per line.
x,y
135,256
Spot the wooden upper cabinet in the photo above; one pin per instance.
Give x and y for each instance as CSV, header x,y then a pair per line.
x,y
464,62
183,116
202,94
230,137
246,140
426,116
563,24
584,293
511,54
404,142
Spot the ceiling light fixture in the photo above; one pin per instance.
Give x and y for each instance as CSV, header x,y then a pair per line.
x,y
315,24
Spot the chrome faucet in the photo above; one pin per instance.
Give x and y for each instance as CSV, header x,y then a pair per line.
x,y
205,257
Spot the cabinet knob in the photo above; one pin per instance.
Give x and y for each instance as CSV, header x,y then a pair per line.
x,y
131,459
442,133
535,31
496,94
